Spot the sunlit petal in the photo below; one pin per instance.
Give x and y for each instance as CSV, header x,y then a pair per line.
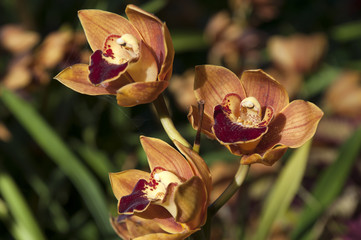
x,y
213,83
76,78
161,154
123,182
150,27
265,89
98,24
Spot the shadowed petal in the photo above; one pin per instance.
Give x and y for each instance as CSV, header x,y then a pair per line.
x,y
163,218
161,154
167,66
76,78
213,83
120,228
99,24
123,182
166,236
268,158
139,226
140,93
207,123
145,69
191,200
198,165
150,27
265,89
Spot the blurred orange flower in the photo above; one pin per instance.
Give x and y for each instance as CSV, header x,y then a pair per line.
x,y
251,116
168,203
132,59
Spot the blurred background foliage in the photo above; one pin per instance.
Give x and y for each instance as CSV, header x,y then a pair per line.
x,y
57,146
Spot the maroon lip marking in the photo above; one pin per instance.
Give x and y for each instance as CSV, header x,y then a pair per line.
x,y
231,132
136,201
100,70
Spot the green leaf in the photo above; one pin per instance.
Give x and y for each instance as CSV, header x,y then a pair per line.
x,y
284,190
19,209
188,41
329,185
347,31
319,81
49,141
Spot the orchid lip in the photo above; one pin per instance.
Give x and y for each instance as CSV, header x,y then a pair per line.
x,y
156,190
238,121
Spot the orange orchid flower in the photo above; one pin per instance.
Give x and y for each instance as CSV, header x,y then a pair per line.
x,y
168,203
251,116
132,59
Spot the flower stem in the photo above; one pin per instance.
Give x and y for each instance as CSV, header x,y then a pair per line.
x,y
197,140
230,190
166,121
224,197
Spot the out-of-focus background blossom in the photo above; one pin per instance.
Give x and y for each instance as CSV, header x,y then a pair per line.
x,y
54,161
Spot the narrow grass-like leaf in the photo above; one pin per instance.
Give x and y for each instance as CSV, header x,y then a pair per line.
x,y
283,191
96,159
188,41
319,81
48,140
19,208
329,185
347,31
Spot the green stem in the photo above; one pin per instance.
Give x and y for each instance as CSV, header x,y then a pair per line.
x,y
223,199
167,122
230,190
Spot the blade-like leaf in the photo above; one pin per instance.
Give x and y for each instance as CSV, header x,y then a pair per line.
x,y
19,209
48,140
329,185
284,190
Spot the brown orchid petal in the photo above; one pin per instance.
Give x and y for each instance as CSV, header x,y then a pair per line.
x,y
230,132
292,127
207,123
150,27
145,69
138,227
198,165
192,200
123,182
268,158
120,228
163,218
301,119
76,78
166,236
140,93
161,154
213,83
99,24
265,89
167,66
